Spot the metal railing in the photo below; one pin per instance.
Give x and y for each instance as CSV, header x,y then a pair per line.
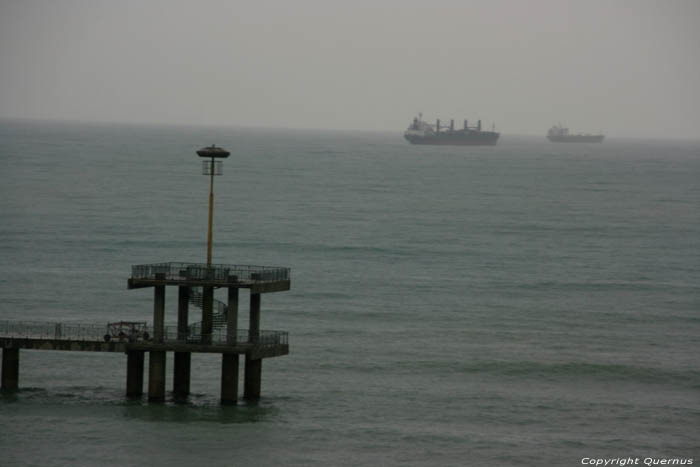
x,y
223,337
214,272
98,332
219,308
43,330
219,312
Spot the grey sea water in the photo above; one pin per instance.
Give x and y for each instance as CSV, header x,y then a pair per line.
x,y
526,304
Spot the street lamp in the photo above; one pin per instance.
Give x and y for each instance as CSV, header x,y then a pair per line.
x,y
211,167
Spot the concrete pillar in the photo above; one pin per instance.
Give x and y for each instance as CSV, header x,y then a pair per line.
x,y
229,378
207,314
156,376
232,316
158,313
156,359
230,362
253,368
254,320
182,360
253,376
183,302
10,369
181,374
134,373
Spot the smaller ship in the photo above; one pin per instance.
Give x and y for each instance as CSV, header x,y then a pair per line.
x,y
420,132
559,134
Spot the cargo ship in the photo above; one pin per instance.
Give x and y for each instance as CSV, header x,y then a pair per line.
x,y
559,134
420,132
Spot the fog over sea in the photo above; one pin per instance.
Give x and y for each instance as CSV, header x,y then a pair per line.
x,y
526,304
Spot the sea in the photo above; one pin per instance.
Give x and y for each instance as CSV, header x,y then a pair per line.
x,y
525,304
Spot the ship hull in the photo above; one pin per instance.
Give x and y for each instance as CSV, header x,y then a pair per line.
x,y
473,138
576,139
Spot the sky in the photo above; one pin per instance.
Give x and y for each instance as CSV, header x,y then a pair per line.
x,y
627,68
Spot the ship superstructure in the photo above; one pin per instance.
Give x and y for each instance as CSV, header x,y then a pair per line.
x,y
420,132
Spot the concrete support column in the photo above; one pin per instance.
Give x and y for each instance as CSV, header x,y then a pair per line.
x,y
134,373
10,369
183,302
158,313
181,374
156,376
230,362
207,314
229,378
232,316
182,360
253,368
253,376
254,320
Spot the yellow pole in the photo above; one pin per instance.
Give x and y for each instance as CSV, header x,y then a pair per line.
x,y
211,210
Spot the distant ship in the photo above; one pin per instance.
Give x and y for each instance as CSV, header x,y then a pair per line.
x,y
420,132
559,134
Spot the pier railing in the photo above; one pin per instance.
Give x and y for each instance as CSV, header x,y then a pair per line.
x,y
44,330
214,272
223,336
101,332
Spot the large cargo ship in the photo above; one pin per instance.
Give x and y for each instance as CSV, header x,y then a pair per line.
x,y
420,132
559,134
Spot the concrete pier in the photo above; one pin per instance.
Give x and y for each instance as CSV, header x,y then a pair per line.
x,y
135,339
253,377
134,373
156,358
229,378
207,314
254,317
158,312
230,362
156,376
232,316
181,374
183,301
253,366
182,360
10,369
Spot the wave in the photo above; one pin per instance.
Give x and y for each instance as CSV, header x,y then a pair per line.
x,y
602,285
322,249
551,371
573,370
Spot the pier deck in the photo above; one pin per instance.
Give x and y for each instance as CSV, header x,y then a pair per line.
x,y
259,279
255,346
217,332
90,338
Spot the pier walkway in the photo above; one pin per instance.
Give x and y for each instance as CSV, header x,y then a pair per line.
x,y
16,335
217,332
97,338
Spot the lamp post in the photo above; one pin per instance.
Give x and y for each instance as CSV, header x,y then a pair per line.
x,y
211,167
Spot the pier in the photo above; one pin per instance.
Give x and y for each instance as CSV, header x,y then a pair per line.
x,y
217,332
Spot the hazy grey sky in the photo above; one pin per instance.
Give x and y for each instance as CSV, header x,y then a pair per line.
x,y
629,68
